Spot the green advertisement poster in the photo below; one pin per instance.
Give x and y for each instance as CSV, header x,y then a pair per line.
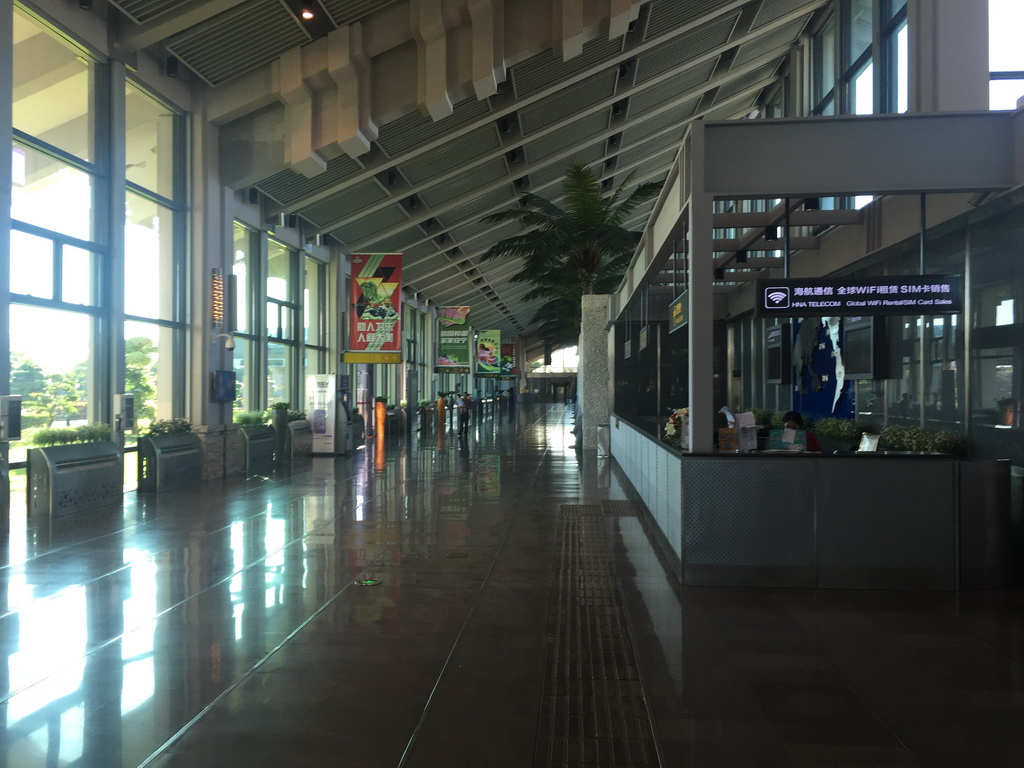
x,y
488,353
452,349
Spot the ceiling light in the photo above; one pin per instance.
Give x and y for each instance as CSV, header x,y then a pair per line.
x,y
307,14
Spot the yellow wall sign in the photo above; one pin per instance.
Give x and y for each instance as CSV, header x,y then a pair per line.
x,y
373,357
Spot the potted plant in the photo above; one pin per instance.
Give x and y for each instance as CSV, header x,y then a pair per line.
x,y
838,434
97,479
170,456
259,441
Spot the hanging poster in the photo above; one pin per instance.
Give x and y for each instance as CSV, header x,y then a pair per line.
x,y
488,353
453,339
449,316
509,369
375,309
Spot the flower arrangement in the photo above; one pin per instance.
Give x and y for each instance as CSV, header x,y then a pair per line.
x,y
677,428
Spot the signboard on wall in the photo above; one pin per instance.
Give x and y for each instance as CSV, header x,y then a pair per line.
x,y
855,296
375,309
488,353
452,350
678,313
449,316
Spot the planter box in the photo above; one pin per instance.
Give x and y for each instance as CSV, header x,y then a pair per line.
x,y
63,479
259,447
299,439
168,462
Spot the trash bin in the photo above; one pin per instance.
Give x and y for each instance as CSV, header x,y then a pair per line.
x,y
604,444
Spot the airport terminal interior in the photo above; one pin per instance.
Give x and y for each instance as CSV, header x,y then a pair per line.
x,y
244,272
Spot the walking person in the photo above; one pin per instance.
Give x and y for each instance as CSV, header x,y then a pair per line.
x,y
463,404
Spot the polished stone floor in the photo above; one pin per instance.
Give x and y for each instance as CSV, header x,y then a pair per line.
x,y
493,602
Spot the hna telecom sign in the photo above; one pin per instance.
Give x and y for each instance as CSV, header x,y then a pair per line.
x,y
853,296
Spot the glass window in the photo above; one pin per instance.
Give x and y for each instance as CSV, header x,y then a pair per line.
x,y
1004,94
279,367
902,67
50,193
312,303
52,378
31,265
148,372
149,142
54,88
824,58
279,271
148,259
862,91
993,387
1005,21
77,276
242,270
243,362
858,30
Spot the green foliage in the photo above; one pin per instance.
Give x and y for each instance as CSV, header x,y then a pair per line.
x,y
380,399
763,417
250,418
89,433
844,431
569,251
168,427
424,403
140,374
910,438
282,406
296,416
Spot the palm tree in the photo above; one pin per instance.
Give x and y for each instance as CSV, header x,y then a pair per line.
x,y
567,252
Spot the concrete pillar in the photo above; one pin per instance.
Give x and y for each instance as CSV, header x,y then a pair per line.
x,y
701,306
592,378
948,55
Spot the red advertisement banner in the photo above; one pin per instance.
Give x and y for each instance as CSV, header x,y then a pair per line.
x,y
375,303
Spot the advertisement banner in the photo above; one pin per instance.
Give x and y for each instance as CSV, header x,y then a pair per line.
x,y
320,407
488,353
452,349
449,316
375,305
509,369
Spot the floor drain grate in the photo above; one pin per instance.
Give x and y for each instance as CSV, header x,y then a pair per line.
x,y
592,709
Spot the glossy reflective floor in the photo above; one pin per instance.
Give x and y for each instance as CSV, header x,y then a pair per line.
x,y
441,602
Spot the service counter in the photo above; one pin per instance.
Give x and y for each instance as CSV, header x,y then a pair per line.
x,y
847,521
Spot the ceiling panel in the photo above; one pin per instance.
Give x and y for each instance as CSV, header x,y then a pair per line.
x,y
784,37
348,201
411,131
452,155
679,51
288,186
238,40
545,70
568,101
669,15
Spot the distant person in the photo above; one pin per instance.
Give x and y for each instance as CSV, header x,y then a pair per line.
x,y
463,404
793,420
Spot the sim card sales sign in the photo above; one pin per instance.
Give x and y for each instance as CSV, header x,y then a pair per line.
x,y
854,296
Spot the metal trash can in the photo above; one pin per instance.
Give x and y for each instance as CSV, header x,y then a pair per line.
x,y
604,441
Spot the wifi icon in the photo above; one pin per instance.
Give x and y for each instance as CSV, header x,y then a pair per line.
x,y
776,298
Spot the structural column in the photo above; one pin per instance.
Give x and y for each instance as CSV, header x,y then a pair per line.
x,y
592,378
